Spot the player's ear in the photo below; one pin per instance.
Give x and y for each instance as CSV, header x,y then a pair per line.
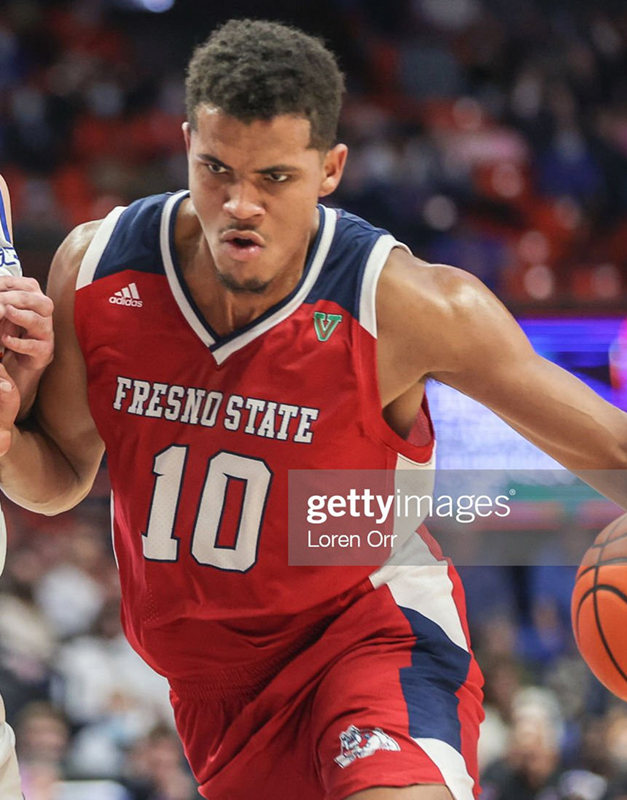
x,y
187,135
332,168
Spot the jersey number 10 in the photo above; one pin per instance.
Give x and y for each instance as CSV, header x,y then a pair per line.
x,y
159,541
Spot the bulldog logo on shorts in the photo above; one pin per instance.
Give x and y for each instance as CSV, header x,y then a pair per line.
x,y
356,743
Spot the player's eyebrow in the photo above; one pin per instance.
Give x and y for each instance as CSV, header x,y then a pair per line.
x,y
277,168
263,171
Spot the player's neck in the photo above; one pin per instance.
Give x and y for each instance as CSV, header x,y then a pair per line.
x,y
228,311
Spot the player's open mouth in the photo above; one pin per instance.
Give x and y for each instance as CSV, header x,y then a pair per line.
x,y
242,245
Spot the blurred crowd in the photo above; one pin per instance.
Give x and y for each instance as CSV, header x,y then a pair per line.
x,y
493,135
91,719
551,731
490,134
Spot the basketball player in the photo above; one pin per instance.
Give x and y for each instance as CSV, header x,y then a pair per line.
x,y
213,340
25,360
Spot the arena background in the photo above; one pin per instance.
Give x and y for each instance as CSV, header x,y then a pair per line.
x,y
489,134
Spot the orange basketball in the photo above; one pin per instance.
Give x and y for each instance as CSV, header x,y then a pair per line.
x,y
599,607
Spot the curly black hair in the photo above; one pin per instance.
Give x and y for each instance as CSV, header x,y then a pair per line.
x,y
256,69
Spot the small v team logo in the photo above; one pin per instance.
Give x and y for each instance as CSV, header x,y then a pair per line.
x,y
356,743
325,324
128,296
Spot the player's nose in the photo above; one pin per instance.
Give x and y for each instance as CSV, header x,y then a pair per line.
x,y
243,201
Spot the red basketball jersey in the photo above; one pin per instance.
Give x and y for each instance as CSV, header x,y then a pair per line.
x,y
201,432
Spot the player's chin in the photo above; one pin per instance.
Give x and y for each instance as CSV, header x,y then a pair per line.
x,y
239,284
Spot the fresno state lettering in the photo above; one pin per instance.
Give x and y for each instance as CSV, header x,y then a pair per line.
x,y
197,406
202,432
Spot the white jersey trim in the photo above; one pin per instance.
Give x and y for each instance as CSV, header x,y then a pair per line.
x,y
170,272
425,588
94,252
112,528
376,261
415,577
419,581
452,766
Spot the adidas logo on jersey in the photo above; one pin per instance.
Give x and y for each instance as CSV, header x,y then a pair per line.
x,y
128,296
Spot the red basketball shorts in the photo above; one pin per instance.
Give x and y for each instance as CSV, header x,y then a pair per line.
x,y
386,696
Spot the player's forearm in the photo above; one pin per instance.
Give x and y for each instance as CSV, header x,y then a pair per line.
x,y
610,483
26,380
595,445
36,475
595,452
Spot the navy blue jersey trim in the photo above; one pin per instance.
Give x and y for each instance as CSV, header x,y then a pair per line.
x,y
179,272
342,274
438,668
219,341
134,241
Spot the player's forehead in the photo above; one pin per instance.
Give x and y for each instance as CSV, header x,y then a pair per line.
x,y
257,143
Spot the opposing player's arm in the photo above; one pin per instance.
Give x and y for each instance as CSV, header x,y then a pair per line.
x,y
441,322
50,462
25,315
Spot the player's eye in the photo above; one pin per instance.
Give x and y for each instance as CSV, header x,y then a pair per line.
x,y
277,177
215,168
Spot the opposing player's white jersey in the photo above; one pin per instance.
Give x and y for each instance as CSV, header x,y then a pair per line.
x,y
10,788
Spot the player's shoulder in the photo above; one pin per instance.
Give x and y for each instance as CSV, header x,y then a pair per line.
x,y
441,312
128,221
430,289
71,251
402,269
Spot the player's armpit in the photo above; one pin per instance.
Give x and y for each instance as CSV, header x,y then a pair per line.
x,y
449,326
